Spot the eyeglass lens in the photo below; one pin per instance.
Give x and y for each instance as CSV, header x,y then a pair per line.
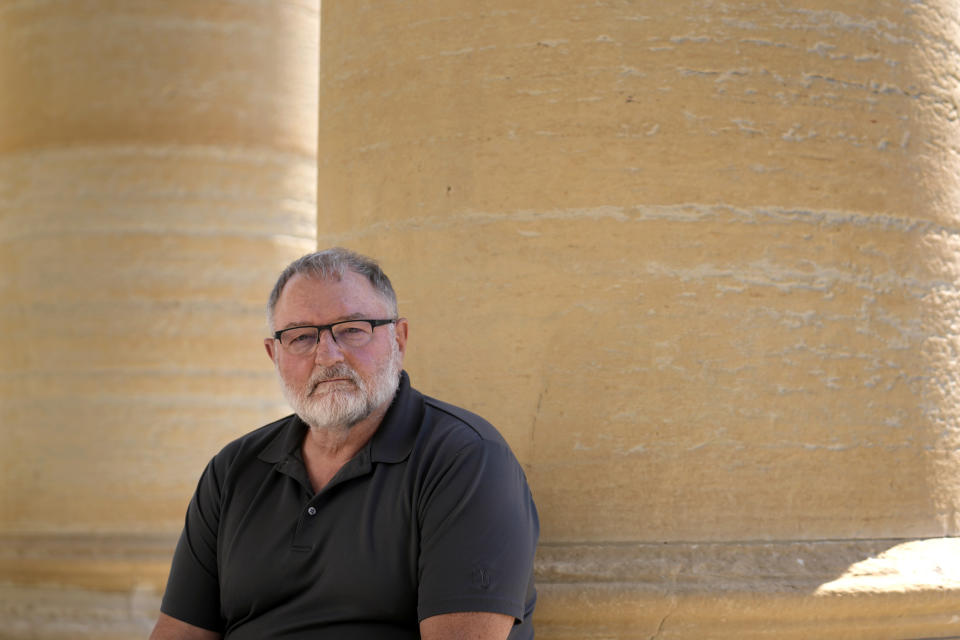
x,y
302,340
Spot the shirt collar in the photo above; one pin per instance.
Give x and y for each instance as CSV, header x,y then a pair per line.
x,y
286,441
392,441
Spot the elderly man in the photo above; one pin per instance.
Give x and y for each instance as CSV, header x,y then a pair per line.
x,y
372,512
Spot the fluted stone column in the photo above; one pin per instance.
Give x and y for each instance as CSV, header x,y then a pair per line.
x,y
157,169
698,262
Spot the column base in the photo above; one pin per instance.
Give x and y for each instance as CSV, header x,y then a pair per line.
x,y
78,586
872,589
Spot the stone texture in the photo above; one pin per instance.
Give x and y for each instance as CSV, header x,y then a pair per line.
x,y
157,169
148,196
697,260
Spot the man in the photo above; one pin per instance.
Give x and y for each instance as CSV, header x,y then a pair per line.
x,y
373,511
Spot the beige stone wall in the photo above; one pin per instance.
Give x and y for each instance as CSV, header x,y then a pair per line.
x,y
697,261
157,168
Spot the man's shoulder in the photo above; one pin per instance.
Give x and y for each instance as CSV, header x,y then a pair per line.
x,y
445,419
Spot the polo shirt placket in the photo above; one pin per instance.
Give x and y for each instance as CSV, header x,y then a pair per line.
x,y
310,527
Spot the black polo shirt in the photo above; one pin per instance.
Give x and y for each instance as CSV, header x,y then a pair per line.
x,y
432,516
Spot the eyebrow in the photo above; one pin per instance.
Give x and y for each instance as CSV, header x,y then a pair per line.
x,y
346,318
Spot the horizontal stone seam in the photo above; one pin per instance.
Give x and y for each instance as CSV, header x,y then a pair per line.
x,y
251,154
128,371
736,542
125,301
13,540
683,212
40,537
772,586
166,233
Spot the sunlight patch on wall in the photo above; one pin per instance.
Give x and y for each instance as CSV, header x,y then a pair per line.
x,y
917,565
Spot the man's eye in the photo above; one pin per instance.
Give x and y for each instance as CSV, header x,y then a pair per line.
x,y
300,337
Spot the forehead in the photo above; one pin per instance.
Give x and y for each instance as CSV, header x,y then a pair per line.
x,y
307,299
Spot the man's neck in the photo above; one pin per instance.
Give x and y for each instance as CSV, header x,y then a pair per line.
x,y
325,450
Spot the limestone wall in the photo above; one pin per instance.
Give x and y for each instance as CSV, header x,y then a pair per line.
x,y
697,260
157,168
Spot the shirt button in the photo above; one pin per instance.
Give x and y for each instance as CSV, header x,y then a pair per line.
x,y
312,511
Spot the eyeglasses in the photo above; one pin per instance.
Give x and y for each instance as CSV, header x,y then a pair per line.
x,y
351,334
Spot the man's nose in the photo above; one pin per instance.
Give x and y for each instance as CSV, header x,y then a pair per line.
x,y
327,348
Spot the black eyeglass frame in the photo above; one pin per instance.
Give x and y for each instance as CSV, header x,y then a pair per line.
x,y
324,327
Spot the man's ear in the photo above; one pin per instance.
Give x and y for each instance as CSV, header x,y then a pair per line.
x,y
270,345
401,334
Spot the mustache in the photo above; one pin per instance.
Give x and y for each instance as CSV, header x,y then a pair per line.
x,y
339,370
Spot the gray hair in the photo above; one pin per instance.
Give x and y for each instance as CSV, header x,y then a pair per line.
x,y
334,263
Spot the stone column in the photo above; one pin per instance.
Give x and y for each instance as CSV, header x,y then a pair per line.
x,y
698,262
157,169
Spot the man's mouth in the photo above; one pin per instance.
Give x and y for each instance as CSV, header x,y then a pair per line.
x,y
327,381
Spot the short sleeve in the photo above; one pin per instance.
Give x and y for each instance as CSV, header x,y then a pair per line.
x,y
479,532
193,592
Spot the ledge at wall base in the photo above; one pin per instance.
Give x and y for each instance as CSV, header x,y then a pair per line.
x,y
869,589
79,586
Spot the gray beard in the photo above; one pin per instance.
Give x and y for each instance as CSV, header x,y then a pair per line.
x,y
343,407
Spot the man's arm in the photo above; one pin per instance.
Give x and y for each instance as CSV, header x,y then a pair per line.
x,y
193,591
466,626
168,628
479,529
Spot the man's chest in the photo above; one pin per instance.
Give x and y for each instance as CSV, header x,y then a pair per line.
x,y
350,550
